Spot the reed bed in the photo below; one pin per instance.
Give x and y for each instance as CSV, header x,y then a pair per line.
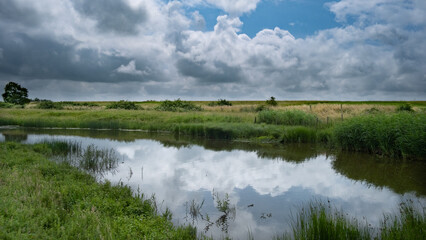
x,y
397,135
319,220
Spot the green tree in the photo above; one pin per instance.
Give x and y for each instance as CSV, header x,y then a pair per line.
x,y
14,93
272,101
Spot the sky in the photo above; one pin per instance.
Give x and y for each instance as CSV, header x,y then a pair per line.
x,y
140,50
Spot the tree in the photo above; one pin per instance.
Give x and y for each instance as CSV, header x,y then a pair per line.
x,y
14,93
272,102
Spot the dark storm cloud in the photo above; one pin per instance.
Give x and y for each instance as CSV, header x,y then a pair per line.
x,y
112,15
14,12
44,58
222,73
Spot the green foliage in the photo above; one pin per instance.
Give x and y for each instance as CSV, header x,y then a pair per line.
x,y
122,104
405,107
47,104
299,135
220,102
271,102
289,117
178,106
398,135
44,200
410,223
5,105
79,104
321,221
15,94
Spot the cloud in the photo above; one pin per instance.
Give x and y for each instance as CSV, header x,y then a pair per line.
x,y
130,69
163,50
235,7
112,15
18,12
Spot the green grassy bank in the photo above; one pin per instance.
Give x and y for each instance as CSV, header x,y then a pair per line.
x,y
40,199
377,129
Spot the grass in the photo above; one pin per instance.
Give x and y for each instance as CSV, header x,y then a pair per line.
x,y
374,127
40,199
321,221
288,117
398,135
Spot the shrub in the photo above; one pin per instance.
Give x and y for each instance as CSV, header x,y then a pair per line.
x,y
220,102
177,106
80,104
47,104
289,117
6,105
271,102
404,107
123,105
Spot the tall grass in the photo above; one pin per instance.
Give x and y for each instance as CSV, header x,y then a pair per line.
x,y
397,135
322,221
410,223
289,117
90,159
40,199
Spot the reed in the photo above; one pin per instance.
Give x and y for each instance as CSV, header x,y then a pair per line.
x,y
397,135
319,220
289,117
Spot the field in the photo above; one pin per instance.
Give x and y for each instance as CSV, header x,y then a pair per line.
x,y
396,129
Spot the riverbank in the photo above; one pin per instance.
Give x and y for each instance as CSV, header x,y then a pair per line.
x,y
377,128
40,199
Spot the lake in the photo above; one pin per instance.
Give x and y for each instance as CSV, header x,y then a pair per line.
x,y
261,185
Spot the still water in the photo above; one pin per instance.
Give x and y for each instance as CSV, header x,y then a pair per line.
x,y
264,184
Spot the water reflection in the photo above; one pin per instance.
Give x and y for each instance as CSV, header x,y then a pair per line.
x,y
262,183
400,177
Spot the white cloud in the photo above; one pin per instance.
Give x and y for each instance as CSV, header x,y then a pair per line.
x,y
131,69
381,56
235,7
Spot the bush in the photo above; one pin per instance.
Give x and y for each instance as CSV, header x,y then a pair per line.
x,y
289,117
271,102
80,104
47,104
178,106
220,102
123,105
404,107
6,105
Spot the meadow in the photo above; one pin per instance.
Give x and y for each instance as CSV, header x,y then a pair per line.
x,y
396,129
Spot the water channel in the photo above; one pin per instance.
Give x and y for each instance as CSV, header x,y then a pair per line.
x,y
264,184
